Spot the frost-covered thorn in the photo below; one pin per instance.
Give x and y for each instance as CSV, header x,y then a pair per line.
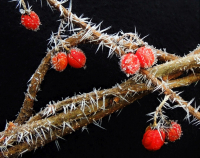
x,y
31,137
131,90
119,112
20,154
20,137
103,107
190,102
61,10
35,129
44,135
180,93
119,86
100,44
151,113
73,107
126,94
105,29
123,98
68,124
97,124
194,121
84,128
19,4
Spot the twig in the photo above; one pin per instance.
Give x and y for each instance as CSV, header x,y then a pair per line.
x,y
173,96
159,110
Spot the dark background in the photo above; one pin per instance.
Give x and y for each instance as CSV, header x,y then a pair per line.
x,y
173,25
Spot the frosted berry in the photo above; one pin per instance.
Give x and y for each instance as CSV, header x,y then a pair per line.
x,y
76,58
31,21
59,61
130,63
145,56
174,132
153,139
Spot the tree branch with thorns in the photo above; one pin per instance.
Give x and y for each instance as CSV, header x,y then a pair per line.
x,y
57,119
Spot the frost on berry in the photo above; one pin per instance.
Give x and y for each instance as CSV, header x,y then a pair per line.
x,y
174,132
146,57
130,63
31,21
76,58
153,139
59,61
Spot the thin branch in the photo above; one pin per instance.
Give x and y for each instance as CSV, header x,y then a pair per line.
x,y
159,110
173,96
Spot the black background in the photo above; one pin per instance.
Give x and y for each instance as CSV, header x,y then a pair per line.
x,y
173,25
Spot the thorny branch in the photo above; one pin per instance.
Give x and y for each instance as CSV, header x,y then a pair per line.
x,y
79,111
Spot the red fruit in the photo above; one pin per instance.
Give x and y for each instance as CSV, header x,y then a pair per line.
x,y
153,139
31,21
59,61
130,63
146,57
76,58
174,132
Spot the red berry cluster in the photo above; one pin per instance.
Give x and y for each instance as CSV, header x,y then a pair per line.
x,y
153,139
143,58
76,59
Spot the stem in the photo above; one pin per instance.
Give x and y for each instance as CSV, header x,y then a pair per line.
x,y
181,64
159,110
27,107
24,5
173,95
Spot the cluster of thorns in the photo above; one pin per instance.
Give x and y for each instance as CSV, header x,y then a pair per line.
x,y
57,119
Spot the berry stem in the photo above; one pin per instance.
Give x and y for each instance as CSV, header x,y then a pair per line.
x,y
159,110
24,6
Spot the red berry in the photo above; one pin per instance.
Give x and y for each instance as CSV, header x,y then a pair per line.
x,y
146,57
76,58
174,132
130,63
153,139
59,61
30,21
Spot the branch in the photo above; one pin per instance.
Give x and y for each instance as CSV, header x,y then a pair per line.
x,y
173,96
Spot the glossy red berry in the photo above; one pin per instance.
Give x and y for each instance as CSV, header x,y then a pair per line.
x,y
130,63
153,139
59,61
31,21
146,57
174,132
76,58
